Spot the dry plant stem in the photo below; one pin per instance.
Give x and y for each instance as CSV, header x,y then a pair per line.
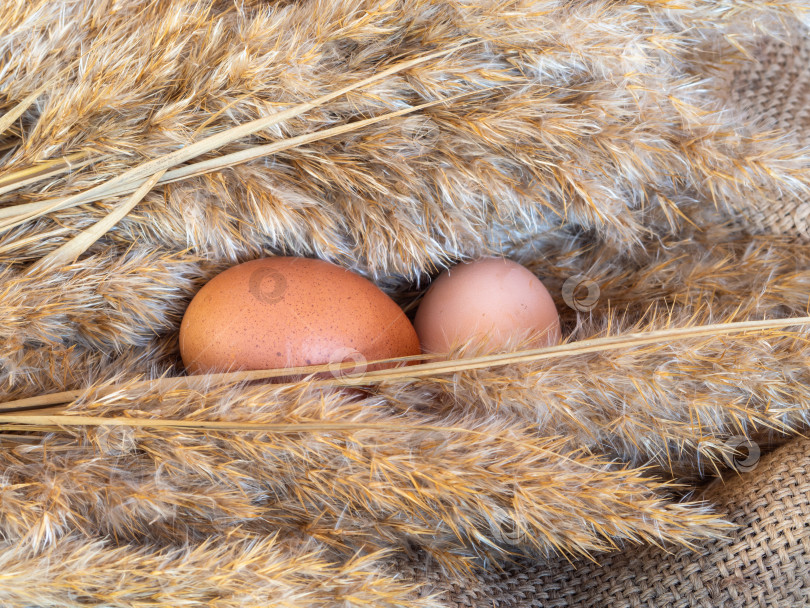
x,y
57,423
65,423
213,142
243,156
39,168
67,253
19,243
207,166
181,382
32,175
14,113
581,347
428,369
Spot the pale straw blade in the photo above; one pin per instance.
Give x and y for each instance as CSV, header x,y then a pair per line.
x,y
67,253
39,168
21,213
18,211
14,113
32,175
33,238
55,421
218,140
425,369
243,156
572,348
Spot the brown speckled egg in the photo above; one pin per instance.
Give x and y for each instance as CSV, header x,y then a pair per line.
x,y
289,311
489,301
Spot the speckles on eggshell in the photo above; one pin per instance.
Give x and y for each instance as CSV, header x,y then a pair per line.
x,y
309,307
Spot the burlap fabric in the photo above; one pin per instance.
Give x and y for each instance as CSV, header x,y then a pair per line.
x,y
775,89
764,562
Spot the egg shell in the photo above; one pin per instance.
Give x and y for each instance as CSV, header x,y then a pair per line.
x,y
289,311
489,301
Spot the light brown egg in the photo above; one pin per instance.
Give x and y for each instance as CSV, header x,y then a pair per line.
x,y
288,311
488,301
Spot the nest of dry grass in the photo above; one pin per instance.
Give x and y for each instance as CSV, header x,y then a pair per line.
x,y
146,146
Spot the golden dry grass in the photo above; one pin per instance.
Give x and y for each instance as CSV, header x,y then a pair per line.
x,y
579,138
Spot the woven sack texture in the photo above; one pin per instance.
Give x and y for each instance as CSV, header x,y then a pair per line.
x,y
775,89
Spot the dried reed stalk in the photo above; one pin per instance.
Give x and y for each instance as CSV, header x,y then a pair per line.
x,y
31,210
212,142
422,370
7,119
44,170
70,251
